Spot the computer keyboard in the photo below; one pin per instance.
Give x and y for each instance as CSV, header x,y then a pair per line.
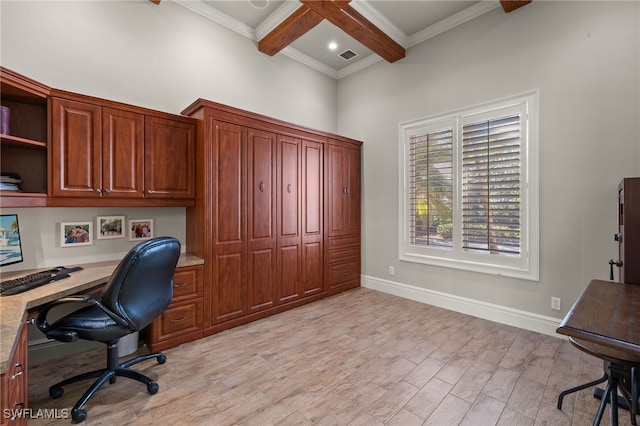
x,y
28,282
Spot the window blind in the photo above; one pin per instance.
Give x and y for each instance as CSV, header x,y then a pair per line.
x,y
491,169
431,188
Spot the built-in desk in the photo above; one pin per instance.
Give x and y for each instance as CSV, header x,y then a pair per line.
x,y
13,308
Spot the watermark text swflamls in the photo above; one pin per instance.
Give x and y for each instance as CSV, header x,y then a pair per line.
x,y
40,413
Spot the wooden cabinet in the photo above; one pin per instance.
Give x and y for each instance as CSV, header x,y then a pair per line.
x,y
260,220
23,145
181,322
169,158
342,264
628,236
116,154
13,386
100,151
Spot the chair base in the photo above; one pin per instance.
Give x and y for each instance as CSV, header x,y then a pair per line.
x,y
615,382
110,373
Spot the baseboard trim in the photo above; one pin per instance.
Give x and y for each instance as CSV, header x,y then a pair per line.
x,y
502,314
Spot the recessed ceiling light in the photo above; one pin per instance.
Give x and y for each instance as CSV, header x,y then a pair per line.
x,y
333,45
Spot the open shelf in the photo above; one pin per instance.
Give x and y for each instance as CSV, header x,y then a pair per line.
x,y
24,144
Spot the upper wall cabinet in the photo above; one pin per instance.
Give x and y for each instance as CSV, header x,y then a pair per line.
x,y
105,154
24,142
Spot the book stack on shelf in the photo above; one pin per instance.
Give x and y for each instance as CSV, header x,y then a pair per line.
x,y
10,182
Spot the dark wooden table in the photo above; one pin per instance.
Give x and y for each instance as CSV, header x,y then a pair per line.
x,y
608,314
604,323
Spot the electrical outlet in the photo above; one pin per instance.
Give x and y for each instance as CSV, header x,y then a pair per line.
x,y
392,270
556,303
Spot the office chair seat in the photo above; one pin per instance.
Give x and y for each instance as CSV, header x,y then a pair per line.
x,y
138,291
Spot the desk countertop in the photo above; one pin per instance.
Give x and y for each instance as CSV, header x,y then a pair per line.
x,y
608,314
13,308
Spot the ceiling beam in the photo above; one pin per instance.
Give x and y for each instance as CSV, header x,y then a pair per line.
x,y
511,5
342,15
289,30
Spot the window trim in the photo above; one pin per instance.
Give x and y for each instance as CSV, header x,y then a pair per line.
x,y
526,266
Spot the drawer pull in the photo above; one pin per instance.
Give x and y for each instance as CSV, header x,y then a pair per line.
x,y
179,285
19,371
345,273
175,321
17,410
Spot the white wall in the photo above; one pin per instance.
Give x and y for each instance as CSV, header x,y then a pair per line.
x,y
161,57
583,56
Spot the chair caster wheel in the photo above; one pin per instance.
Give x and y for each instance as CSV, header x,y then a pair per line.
x,y
152,388
161,359
78,416
55,392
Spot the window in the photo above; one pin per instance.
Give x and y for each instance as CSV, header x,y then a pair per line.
x,y
469,188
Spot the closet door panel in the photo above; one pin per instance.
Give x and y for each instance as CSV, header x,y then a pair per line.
x,y
230,182
289,187
312,277
229,295
289,271
261,209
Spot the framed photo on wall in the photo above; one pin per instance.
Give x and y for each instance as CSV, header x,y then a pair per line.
x,y
75,234
110,227
140,229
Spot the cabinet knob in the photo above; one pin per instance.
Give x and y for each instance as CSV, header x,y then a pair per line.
x,y
107,191
261,186
149,191
98,191
289,188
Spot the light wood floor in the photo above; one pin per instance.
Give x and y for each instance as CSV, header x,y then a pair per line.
x,y
358,358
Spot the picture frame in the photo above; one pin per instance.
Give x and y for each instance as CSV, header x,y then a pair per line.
x,y
108,227
76,234
140,229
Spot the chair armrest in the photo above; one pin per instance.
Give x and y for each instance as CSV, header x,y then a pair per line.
x,y
44,326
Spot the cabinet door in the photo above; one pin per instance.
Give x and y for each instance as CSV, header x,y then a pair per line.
x,y
336,195
169,152
352,183
76,159
228,179
312,210
289,219
261,221
122,153
344,190
13,384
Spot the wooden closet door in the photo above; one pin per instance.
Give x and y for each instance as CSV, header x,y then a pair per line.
x,y
289,215
312,214
261,221
352,182
228,299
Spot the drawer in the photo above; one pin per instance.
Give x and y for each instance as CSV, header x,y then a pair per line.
x,y
344,241
344,255
187,283
178,319
345,271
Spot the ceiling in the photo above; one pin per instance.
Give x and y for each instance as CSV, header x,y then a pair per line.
x,y
406,22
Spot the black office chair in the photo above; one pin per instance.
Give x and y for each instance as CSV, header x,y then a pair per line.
x,y
137,292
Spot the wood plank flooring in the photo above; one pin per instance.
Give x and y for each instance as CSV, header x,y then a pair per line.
x,y
359,358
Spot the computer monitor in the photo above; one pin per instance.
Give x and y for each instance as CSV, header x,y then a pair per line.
x,y
10,244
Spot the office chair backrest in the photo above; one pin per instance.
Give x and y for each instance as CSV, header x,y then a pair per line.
x,y
141,286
